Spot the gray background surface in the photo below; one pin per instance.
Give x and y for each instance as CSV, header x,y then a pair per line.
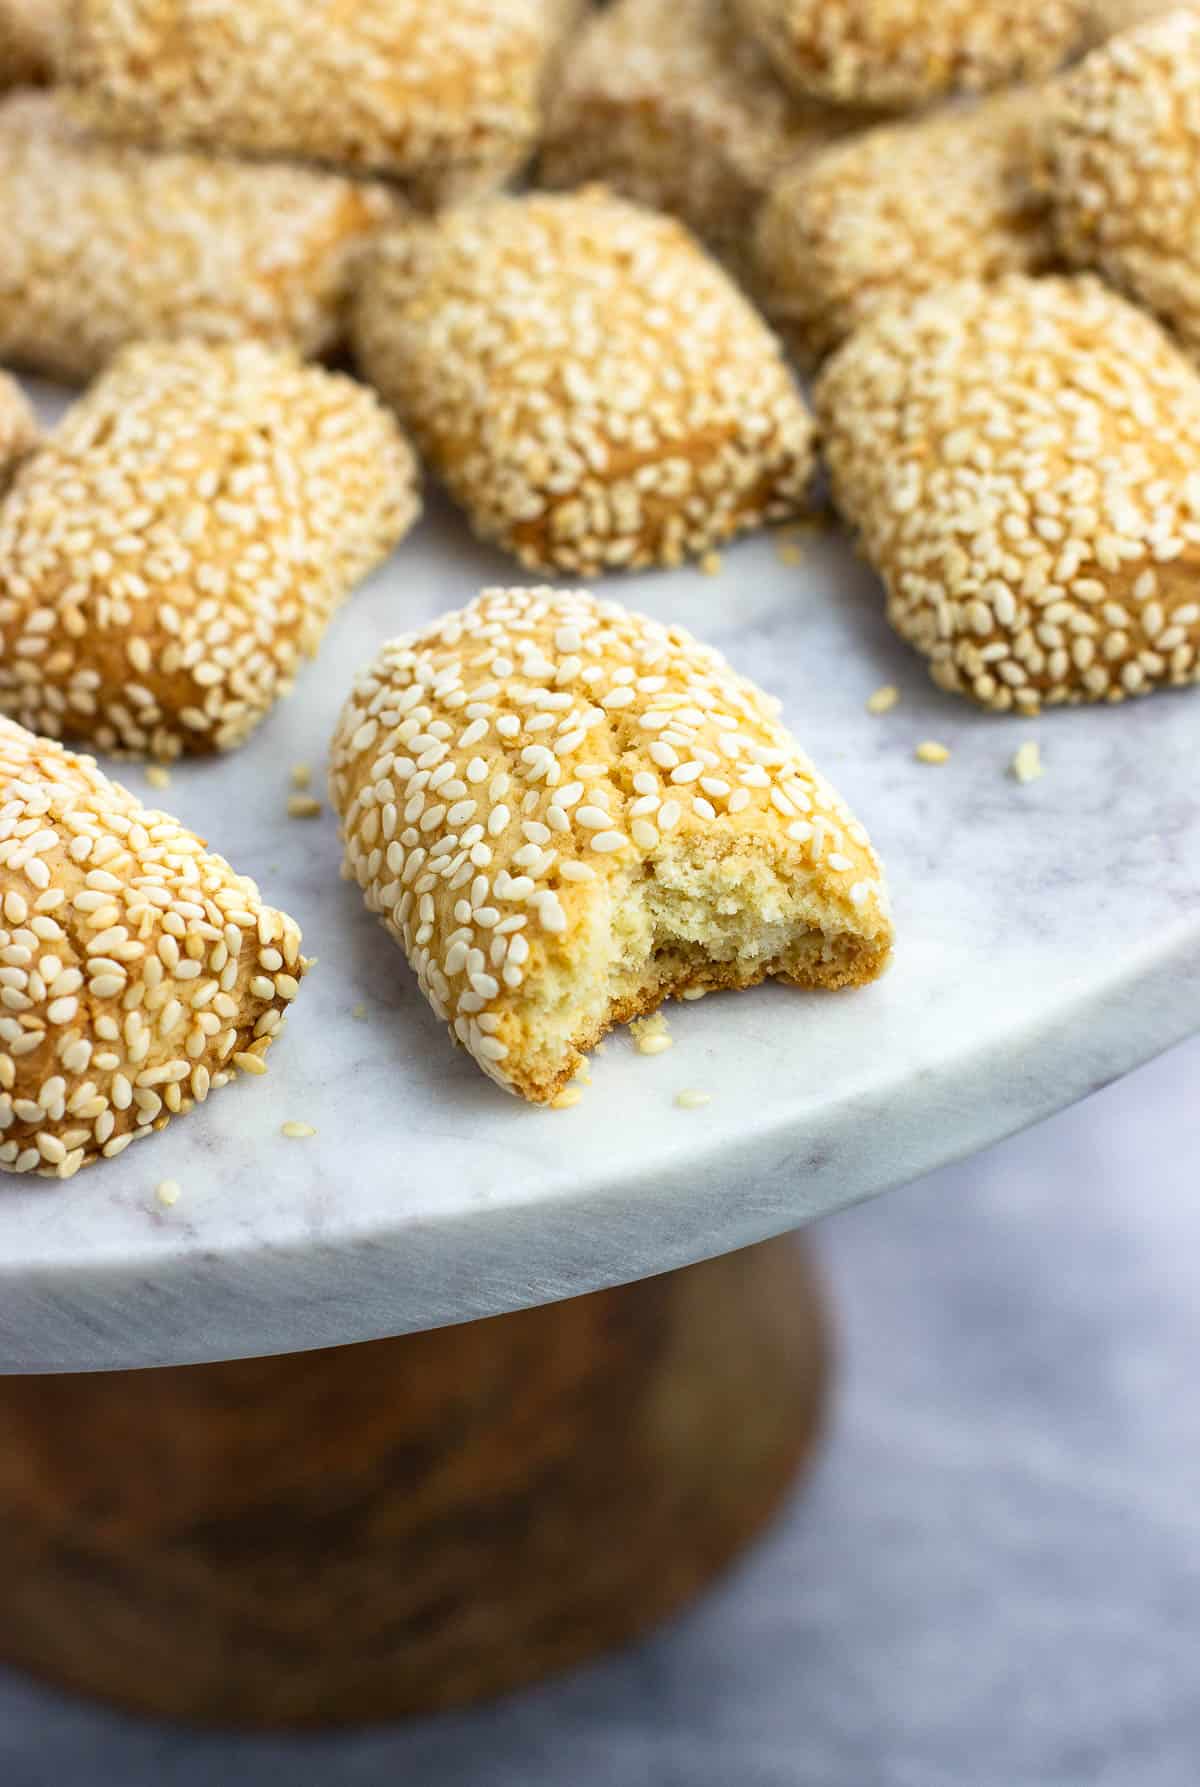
x,y
992,1579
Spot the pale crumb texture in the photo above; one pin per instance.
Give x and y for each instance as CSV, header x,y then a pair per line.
x,y
1023,464
301,775
899,211
652,1035
692,1099
32,38
1122,163
297,1132
105,244
174,550
303,806
443,95
168,1192
902,54
135,966
591,386
930,751
883,700
567,813
670,102
1027,763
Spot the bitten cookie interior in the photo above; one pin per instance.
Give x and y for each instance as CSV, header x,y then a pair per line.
x,y
566,813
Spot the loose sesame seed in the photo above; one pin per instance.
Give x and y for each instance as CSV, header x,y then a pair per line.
x,y
930,751
567,1098
883,700
301,776
157,776
168,1191
303,806
296,1131
691,1099
1026,765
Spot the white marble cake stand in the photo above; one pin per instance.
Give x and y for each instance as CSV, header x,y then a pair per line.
x,y
1048,941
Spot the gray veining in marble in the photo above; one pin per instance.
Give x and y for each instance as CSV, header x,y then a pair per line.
x,y
1049,939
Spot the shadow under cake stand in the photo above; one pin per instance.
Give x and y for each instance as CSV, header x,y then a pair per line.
x,y
455,1392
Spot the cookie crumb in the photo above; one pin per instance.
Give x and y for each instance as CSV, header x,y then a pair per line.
x,y
157,776
930,751
710,564
883,700
691,1098
301,775
303,806
1026,766
296,1131
168,1192
788,553
359,1012
693,993
651,1036
570,1095
249,1063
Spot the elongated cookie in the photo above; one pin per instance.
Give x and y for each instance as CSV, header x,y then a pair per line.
x,y
105,244
898,211
1023,464
565,813
672,104
443,95
592,388
138,972
904,53
1122,151
175,548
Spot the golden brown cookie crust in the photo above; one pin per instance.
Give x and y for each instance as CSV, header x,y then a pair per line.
x,y
175,548
591,386
565,813
1022,462
138,971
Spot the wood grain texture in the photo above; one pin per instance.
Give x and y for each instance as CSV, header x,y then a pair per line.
x,y
386,1529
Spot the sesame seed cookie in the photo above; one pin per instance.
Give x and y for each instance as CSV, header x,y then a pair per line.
x,y
105,244
901,54
176,546
138,972
672,104
566,813
592,388
899,211
32,34
1122,162
1023,463
444,95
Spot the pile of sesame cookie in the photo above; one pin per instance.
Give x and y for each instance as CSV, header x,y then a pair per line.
x,y
577,262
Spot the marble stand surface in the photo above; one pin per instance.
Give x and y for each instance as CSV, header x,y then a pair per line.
x,y
1049,940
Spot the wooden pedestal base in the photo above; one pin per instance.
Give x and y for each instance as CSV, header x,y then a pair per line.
x,y
386,1529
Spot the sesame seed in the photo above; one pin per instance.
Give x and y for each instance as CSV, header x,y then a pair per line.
x,y
301,776
930,751
303,806
567,1098
651,1036
297,1131
710,564
883,700
1026,765
157,776
168,1192
690,1099
248,1062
